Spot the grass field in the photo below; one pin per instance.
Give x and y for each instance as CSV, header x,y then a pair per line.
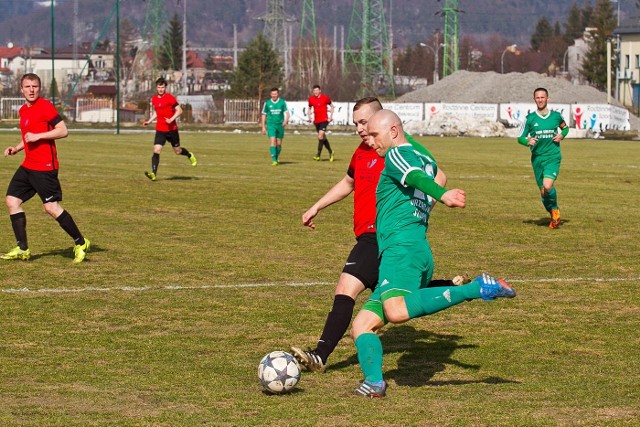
x,y
193,278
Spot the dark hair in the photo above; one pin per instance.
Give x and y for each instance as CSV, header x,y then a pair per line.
x,y
275,89
161,82
541,89
30,76
365,101
316,86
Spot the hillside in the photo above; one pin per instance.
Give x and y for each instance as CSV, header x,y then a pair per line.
x,y
210,22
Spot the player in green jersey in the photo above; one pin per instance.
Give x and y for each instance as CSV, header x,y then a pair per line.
x,y
404,198
275,117
540,134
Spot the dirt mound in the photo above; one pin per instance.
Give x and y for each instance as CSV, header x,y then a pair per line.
x,y
491,87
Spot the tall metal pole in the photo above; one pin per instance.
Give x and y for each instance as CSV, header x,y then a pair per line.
x,y
118,67
53,55
185,89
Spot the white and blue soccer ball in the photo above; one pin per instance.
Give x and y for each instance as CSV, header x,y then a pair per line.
x,y
279,372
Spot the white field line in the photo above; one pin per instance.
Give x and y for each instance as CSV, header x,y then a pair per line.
x,y
272,285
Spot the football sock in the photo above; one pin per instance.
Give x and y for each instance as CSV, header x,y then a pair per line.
x,y
335,326
325,142
185,152
155,161
320,145
433,300
19,224
273,152
68,224
440,282
278,150
369,349
550,200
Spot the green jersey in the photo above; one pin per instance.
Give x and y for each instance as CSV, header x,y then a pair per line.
x,y
274,111
544,128
402,212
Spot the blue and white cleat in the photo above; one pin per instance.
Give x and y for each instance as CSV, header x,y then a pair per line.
x,y
372,390
492,288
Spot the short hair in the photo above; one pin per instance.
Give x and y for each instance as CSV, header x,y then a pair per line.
x,y
275,89
365,101
161,82
316,86
541,89
31,76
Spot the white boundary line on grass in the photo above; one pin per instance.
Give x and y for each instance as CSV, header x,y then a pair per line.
x,y
271,285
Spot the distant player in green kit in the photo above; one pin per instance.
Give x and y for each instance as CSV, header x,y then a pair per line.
x,y
540,134
404,198
275,117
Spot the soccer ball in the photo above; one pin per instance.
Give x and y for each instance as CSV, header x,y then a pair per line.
x,y
279,372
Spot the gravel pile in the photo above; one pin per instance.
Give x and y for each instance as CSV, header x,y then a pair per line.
x,y
491,87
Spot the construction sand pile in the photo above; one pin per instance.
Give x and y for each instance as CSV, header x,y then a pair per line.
x,y
491,87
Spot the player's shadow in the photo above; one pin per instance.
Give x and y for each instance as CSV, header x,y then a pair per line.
x,y
68,253
179,178
543,222
424,354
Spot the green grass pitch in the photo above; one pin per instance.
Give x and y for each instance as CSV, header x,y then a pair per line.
x,y
193,278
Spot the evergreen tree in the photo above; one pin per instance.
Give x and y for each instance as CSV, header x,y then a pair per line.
x,y
543,32
259,70
594,68
171,49
575,24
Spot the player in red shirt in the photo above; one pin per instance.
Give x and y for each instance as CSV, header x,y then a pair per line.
x,y
318,103
360,272
40,125
166,110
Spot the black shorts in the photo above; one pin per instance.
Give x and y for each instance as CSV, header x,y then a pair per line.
x,y
172,136
322,126
363,261
26,183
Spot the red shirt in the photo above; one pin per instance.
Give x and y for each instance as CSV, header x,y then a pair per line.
x,y
40,117
319,105
365,169
165,107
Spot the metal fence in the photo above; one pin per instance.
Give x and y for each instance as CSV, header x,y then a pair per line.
x,y
95,110
9,108
241,111
198,109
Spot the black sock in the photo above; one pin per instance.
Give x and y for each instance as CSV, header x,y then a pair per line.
x,y
19,224
155,161
320,144
440,282
335,326
326,144
68,224
185,152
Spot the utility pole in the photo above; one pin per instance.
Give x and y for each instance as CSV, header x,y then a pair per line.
x,y
368,51
185,89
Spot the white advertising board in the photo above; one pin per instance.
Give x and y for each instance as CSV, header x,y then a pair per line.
x,y
476,111
516,113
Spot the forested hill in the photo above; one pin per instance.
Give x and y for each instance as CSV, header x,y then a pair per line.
x,y
210,22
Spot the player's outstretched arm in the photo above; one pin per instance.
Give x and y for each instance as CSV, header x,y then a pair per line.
x,y
342,189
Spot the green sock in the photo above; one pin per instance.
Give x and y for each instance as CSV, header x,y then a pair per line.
x,y
369,349
278,150
432,300
273,152
550,199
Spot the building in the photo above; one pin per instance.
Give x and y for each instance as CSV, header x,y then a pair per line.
x,y
628,73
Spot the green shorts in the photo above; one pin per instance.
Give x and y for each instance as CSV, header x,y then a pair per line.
x,y
404,269
276,132
545,167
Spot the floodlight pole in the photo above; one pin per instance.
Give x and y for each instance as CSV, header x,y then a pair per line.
x,y
118,67
185,90
53,60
